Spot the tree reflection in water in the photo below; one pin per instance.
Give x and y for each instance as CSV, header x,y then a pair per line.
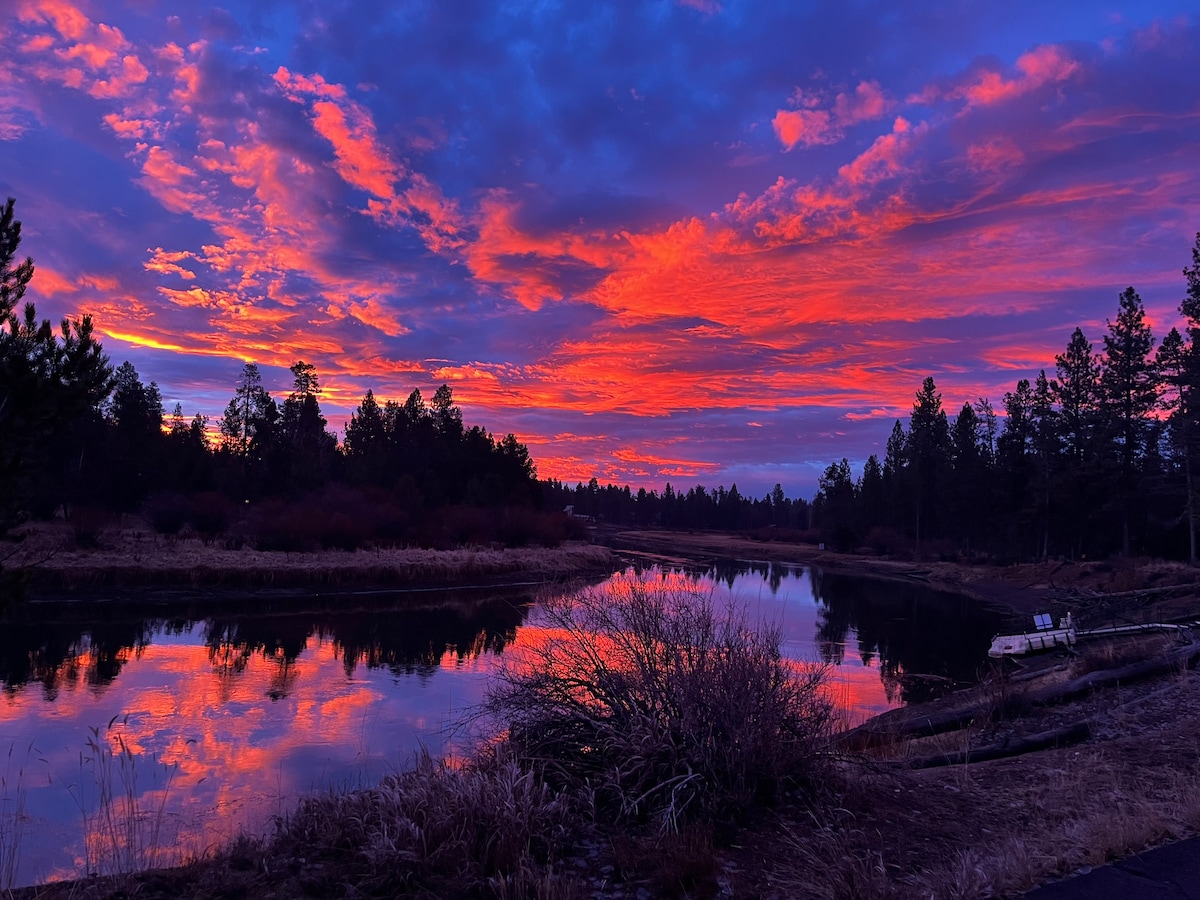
x,y
909,630
60,654
912,630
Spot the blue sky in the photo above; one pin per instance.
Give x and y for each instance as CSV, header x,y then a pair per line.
x,y
687,241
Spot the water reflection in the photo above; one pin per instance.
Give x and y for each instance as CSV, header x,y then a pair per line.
x,y
924,640
250,711
58,654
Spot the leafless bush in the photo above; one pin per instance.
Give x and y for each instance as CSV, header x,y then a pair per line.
x,y
664,704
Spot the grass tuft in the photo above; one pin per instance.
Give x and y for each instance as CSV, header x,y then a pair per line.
x,y
491,827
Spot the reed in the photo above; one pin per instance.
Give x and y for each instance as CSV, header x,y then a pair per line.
x,y
12,815
123,811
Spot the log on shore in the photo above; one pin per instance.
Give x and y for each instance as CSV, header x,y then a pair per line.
x,y
902,725
1075,733
1139,671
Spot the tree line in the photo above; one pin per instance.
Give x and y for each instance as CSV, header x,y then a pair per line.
x,y
1099,457
79,438
697,507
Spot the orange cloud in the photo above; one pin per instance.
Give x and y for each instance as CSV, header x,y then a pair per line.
x,y
164,177
167,263
376,314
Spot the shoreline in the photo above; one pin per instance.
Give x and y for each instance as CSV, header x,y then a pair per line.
x,y
134,563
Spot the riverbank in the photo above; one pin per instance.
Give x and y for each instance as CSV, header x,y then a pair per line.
x,y
132,557
909,815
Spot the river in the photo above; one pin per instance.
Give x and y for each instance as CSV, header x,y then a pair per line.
x,y
195,728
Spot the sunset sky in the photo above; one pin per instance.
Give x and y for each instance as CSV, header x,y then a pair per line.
x,y
696,241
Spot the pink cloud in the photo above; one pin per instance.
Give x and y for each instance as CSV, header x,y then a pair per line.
x,y
123,81
377,315
1044,65
883,159
809,126
998,154
62,15
708,7
129,127
399,196
803,126
866,103
166,263
164,177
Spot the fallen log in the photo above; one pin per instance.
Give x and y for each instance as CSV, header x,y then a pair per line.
x,y
875,731
1138,671
1075,733
903,724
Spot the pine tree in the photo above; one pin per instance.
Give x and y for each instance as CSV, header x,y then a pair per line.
x,y
49,385
1187,424
1129,386
1172,364
13,279
251,417
310,448
928,455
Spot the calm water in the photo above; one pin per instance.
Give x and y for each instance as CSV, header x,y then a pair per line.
x,y
214,725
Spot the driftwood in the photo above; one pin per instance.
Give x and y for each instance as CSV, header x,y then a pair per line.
x,y
1138,671
1065,736
902,724
884,728
1075,733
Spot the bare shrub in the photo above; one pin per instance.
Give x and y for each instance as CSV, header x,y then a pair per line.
x,y
87,524
167,513
887,542
210,515
286,529
662,703
434,831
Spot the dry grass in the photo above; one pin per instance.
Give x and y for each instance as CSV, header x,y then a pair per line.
x,y
1088,814
12,813
137,556
490,829
1000,828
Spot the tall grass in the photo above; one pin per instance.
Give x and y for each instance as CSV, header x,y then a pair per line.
x,y
668,706
123,814
12,816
